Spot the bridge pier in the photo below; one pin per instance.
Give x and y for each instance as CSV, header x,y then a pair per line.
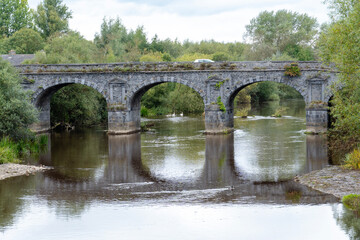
x,y
43,125
123,122
218,121
316,120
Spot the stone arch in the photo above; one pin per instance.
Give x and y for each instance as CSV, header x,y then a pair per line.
x,y
45,92
135,95
243,84
42,96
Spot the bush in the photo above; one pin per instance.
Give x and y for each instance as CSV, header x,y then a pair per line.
x,y
16,111
7,151
11,151
292,70
352,202
352,160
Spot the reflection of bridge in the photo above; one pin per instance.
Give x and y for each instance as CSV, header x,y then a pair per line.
x,y
122,85
125,164
124,176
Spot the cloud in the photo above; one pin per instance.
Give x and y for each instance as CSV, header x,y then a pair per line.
x,y
195,20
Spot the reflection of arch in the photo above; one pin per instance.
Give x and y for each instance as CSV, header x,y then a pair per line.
x,y
219,165
125,165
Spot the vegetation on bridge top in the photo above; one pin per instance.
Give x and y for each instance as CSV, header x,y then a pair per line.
x,y
178,66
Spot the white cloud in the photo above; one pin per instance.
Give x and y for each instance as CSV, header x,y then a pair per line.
x,y
195,20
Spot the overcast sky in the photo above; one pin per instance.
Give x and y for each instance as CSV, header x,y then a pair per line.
x,y
196,20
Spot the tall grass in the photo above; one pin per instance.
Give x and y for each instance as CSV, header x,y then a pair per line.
x,y
11,151
8,151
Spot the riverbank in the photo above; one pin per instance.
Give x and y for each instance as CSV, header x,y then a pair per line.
x,y
9,170
332,180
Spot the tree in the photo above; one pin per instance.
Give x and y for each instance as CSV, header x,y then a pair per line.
x,y
112,38
67,48
52,16
16,111
340,43
78,105
24,41
280,31
14,15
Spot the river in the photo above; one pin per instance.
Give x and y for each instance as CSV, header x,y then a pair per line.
x,y
174,182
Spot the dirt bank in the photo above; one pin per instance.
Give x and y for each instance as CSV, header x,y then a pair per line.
x,y
333,180
12,170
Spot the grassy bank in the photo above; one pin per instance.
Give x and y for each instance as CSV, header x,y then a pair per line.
x,y
11,151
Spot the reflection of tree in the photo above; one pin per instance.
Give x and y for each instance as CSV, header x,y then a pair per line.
x,y
348,220
11,201
77,155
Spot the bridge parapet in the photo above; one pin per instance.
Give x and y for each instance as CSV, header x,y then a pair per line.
x,y
169,67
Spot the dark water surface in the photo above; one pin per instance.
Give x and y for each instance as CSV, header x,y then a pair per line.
x,y
175,183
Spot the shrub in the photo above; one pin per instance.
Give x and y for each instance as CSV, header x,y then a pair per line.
x,y
352,160
292,70
352,202
280,111
11,151
16,111
221,104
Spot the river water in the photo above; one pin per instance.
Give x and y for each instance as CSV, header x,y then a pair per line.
x,y
174,182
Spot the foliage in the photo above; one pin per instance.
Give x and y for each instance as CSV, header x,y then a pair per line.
x,y
152,57
121,44
340,43
11,151
169,98
24,41
243,110
348,220
352,202
7,151
265,91
78,105
221,104
220,56
112,38
67,48
16,111
292,70
190,57
352,160
283,31
280,111
52,16
14,15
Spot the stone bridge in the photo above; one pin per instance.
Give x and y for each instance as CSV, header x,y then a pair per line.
x,y
123,85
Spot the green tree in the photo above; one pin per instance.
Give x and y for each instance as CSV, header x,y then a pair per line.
x,y
220,56
24,41
66,48
78,105
14,15
52,16
340,43
112,38
16,111
272,32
